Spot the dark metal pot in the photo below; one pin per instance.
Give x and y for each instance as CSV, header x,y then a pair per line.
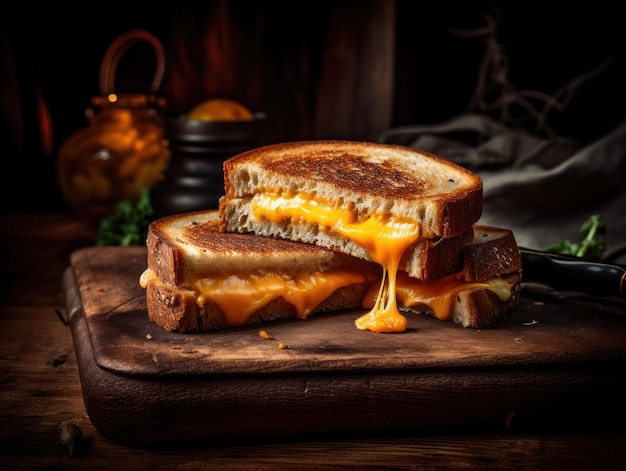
x,y
194,179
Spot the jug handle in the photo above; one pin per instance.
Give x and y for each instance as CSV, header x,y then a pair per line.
x,y
118,48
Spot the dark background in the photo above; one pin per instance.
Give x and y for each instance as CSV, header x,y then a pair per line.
x,y
324,69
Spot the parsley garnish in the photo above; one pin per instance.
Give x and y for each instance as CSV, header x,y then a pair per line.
x,y
593,244
128,225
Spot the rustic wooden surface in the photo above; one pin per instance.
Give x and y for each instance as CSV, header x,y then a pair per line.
x,y
41,392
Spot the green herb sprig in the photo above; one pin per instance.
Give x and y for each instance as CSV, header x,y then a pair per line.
x,y
128,225
592,246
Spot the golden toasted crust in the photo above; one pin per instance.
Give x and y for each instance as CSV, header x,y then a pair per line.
x,y
361,177
176,309
186,246
493,251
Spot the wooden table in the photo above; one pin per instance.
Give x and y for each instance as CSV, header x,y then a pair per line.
x,y
41,393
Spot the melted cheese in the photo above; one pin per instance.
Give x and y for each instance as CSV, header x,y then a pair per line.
x,y
437,295
146,276
384,237
239,296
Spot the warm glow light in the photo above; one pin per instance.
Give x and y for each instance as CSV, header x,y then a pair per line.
x,y
112,97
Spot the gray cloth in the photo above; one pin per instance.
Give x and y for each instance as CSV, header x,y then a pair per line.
x,y
542,189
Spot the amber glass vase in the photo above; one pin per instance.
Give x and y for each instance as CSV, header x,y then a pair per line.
x,y
122,149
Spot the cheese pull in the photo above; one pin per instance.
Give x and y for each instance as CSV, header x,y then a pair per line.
x,y
385,239
437,295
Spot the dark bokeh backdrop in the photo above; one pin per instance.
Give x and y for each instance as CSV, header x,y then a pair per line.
x,y
422,66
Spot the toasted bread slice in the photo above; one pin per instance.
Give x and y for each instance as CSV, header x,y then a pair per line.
x,y
201,279
184,247
351,181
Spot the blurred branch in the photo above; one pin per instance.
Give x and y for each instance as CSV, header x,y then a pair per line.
x,y
494,91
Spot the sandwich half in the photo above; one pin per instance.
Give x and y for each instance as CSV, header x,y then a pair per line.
x,y
200,279
377,202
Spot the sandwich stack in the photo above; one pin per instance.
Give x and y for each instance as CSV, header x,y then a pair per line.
x,y
384,230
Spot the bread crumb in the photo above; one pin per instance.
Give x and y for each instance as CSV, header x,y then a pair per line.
x,y
264,335
509,419
72,437
148,336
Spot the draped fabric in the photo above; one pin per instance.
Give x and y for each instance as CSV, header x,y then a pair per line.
x,y
542,189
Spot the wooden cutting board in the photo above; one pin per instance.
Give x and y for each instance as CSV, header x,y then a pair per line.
x,y
145,386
